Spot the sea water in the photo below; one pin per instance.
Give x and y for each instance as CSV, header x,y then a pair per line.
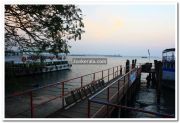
x,y
16,84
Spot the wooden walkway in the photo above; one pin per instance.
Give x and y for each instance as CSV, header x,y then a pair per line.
x,y
80,109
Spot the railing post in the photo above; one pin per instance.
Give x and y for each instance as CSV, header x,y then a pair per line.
x,y
31,105
113,72
81,81
62,94
89,108
129,77
108,75
107,111
118,89
108,95
117,70
120,69
102,74
124,84
94,76
125,70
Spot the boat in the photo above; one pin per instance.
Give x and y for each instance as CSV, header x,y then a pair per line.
x,y
168,68
144,57
28,63
113,55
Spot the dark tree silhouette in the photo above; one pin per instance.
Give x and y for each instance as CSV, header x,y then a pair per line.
x,y
42,27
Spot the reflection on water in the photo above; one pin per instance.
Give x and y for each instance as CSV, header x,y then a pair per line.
x,y
29,82
146,99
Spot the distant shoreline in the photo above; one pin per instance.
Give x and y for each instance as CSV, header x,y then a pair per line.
x,y
94,55
110,55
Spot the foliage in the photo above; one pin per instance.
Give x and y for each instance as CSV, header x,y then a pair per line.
x,y
42,27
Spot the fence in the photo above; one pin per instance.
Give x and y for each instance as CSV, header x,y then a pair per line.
x,y
108,98
41,101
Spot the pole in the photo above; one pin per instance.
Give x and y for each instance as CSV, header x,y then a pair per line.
x,y
89,108
93,76
107,111
102,74
31,105
108,75
113,72
81,81
62,94
117,70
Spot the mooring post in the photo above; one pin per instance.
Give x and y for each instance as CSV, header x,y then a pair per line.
x,y
127,66
159,81
120,70
158,69
132,66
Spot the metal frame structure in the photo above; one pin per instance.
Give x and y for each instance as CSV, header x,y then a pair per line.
x,y
108,102
62,87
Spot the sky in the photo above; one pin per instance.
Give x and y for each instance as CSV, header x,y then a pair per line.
x,y
126,29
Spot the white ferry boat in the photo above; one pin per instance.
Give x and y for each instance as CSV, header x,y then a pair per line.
x,y
26,63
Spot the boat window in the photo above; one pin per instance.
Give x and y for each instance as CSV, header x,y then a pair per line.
x,y
169,56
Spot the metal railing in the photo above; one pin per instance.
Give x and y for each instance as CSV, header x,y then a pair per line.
x,y
38,101
110,92
104,99
132,109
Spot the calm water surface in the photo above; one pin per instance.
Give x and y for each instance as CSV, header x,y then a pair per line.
x,y
27,82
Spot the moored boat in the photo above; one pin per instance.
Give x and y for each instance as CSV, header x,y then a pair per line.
x,y
168,68
23,63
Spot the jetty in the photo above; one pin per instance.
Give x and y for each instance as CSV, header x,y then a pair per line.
x,y
95,95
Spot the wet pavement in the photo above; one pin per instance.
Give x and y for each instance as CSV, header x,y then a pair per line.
x,y
146,99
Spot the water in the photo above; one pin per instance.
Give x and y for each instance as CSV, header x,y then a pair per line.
x,y
146,99
16,84
26,82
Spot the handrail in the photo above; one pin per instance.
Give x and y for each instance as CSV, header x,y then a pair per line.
x,y
62,93
135,69
108,103
133,109
54,84
90,98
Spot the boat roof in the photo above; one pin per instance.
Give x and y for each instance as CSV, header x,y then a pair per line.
x,y
168,50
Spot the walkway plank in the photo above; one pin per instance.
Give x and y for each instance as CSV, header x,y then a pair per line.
x,y
80,109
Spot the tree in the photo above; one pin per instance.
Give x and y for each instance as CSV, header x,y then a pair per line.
x,y
42,27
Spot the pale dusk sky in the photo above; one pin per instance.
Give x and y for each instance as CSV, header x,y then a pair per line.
x,y
126,29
